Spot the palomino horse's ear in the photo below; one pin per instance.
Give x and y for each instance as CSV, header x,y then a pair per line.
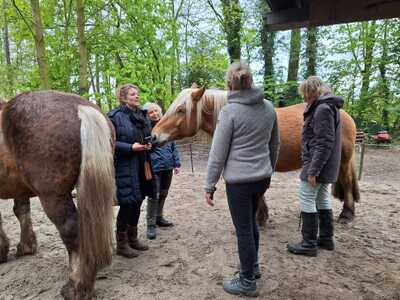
x,y
197,93
194,85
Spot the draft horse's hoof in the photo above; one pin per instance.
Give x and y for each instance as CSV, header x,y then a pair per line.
x,y
24,249
68,291
4,253
346,217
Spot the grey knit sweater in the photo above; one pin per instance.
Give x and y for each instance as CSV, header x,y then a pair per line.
x,y
246,140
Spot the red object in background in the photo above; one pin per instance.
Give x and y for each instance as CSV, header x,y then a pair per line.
x,y
382,137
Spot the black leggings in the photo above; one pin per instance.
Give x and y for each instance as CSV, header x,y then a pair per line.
x,y
243,204
128,215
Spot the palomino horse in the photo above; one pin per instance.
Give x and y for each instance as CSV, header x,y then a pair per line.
x,y
51,142
197,108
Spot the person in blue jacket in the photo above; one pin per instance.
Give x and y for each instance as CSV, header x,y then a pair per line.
x,y
132,167
164,160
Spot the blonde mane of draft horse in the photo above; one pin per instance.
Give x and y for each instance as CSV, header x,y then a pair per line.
x,y
198,108
51,142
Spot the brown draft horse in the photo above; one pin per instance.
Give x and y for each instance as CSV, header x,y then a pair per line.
x,y
198,108
51,142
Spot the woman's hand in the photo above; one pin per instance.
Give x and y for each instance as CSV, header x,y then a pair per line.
x,y
137,147
209,198
177,170
312,180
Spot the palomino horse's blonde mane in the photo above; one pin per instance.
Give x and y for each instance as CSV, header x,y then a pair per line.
x,y
217,97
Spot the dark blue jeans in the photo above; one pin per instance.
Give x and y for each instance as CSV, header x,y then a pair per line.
x,y
128,215
155,207
243,204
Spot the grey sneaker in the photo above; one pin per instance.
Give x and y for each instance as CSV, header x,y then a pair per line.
x,y
257,271
241,286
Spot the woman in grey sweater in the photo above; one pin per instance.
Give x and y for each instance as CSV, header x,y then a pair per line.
x,y
244,150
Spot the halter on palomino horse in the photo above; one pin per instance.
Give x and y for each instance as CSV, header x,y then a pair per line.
x,y
51,142
197,108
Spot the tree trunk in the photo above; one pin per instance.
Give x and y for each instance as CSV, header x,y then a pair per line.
x,y
311,51
9,69
40,45
293,67
232,24
369,42
174,46
384,88
97,80
187,83
268,44
294,55
176,78
67,45
83,54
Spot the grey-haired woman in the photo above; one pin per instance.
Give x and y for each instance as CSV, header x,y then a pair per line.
x,y
321,153
165,161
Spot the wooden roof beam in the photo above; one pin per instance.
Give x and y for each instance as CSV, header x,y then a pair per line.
x,y
324,12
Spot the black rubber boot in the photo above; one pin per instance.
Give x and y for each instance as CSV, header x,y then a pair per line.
x,y
257,271
123,248
133,240
151,232
163,222
325,240
308,246
160,209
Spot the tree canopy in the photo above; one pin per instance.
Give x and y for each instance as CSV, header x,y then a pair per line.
x,y
89,47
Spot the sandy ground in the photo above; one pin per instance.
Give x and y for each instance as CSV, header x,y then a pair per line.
x,y
190,260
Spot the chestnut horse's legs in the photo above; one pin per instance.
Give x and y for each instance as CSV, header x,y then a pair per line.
x,y
4,244
349,209
22,210
62,212
262,211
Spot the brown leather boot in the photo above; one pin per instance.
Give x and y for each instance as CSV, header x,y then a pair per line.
x,y
123,248
133,240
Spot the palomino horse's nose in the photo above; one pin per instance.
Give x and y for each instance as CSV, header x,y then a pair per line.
x,y
154,138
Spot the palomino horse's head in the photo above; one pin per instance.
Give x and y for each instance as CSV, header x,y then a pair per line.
x,y
182,119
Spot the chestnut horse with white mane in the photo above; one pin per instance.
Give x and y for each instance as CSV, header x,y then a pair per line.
x,y
198,108
51,142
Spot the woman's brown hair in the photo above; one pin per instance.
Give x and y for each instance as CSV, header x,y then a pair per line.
x,y
122,92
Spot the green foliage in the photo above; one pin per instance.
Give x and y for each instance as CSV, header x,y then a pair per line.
x,y
164,46
139,42
204,69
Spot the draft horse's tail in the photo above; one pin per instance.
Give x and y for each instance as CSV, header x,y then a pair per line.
x,y
347,181
95,192
346,189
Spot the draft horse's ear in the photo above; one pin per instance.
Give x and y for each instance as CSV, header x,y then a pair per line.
x,y
197,93
194,85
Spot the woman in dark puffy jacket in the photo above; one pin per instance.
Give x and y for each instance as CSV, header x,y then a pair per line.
x,y
132,167
321,153
164,160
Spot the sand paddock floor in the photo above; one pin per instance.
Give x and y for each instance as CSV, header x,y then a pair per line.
x,y
190,260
